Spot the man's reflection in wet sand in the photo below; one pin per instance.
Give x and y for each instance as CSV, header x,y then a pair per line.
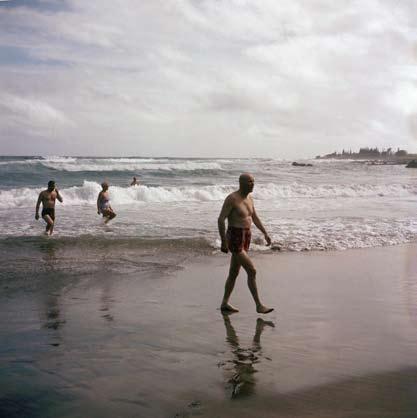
x,y
106,301
51,298
242,368
105,284
48,256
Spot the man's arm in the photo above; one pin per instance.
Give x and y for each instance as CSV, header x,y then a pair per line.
x,y
224,213
58,196
38,203
98,203
258,224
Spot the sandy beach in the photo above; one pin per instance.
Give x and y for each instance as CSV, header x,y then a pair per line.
x,y
341,342
139,140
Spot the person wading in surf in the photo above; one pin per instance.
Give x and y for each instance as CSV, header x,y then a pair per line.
x,y
103,203
47,198
239,210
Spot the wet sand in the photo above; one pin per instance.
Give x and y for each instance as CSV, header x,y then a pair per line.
x,y
341,342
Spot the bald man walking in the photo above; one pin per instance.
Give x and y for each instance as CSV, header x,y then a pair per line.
x,y
239,210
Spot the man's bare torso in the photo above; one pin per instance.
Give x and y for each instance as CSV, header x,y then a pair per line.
x,y
48,199
241,214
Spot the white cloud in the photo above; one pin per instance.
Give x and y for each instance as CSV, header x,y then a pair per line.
x,y
30,111
404,98
159,75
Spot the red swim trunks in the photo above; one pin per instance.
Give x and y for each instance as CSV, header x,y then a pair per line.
x,y
238,239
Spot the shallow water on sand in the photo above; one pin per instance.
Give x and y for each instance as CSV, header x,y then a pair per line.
x,y
148,341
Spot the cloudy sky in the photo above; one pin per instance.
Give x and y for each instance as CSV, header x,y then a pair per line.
x,y
233,78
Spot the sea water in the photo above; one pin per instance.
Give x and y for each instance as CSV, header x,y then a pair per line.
x,y
332,205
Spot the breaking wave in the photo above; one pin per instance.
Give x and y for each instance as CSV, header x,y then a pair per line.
x,y
125,164
87,193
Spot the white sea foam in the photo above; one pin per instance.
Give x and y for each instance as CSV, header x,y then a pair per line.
x,y
19,162
335,234
343,233
16,198
271,190
87,193
126,164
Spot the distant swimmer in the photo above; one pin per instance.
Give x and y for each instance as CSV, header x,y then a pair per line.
x,y
239,210
103,203
134,182
47,198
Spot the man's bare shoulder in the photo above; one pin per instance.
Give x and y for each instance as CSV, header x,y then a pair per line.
x,y
232,197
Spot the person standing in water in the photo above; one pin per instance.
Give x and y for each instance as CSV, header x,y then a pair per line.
x,y
103,203
239,210
134,182
47,198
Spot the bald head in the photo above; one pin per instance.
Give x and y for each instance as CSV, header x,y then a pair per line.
x,y
246,183
245,177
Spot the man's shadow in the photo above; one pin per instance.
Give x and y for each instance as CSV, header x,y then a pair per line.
x,y
242,366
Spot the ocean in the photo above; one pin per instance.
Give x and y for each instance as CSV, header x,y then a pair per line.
x,y
172,215
333,205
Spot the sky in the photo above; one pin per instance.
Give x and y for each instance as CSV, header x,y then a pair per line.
x,y
207,78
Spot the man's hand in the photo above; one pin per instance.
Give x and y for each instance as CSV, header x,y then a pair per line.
x,y
37,216
268,240
98,212
223,247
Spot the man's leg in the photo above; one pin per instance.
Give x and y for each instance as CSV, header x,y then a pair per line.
x,y
49,224
230,284
260,325
245,261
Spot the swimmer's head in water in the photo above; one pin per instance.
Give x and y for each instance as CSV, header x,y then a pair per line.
x,y
246,182
105,185
51,185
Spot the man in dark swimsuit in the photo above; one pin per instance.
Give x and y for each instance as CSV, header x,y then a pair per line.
x,y
239,210
48,197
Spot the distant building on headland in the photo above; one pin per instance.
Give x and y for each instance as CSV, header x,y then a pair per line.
x,y
400,156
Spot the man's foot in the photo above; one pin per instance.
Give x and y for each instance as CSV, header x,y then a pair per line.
x,y
227,307
263,309
260,322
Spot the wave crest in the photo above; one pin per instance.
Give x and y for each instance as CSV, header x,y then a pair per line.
x,y
125,164
87,193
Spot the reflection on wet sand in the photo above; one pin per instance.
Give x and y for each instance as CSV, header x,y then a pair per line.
x,y
51,300
106,301
106,298
241,367
410,284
